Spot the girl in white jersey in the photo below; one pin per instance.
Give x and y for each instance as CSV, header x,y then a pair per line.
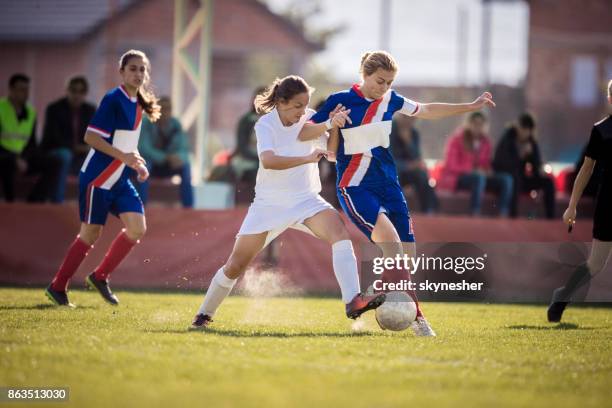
x,y
287,195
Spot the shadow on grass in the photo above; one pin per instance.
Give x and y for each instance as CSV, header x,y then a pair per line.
x,y
243,333
44,306
560,326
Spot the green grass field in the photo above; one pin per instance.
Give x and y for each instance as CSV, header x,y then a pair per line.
x,y
300,352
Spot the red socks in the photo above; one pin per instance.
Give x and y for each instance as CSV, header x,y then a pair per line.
x,y
121,246
76,253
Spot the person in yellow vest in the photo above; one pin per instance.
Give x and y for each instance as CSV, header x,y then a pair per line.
x,y
17,128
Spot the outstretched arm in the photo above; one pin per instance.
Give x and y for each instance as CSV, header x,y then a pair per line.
x,y
442,110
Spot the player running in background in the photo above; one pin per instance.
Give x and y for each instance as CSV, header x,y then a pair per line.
x,y
287,195
367,183
104,180
599,150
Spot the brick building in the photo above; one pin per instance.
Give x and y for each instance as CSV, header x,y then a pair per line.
x,y
50,41
570,62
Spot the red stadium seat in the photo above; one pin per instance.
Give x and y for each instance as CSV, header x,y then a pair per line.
x,y
221,158
561,177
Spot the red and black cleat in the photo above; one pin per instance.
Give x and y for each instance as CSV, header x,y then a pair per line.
x,y
362,303
201,321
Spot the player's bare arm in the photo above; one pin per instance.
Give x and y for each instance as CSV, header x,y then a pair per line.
x,y
441,110
582,179
271,161
337,119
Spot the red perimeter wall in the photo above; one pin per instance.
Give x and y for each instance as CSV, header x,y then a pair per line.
x,y
184,248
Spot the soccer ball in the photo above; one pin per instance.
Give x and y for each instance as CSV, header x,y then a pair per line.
x,y
397,312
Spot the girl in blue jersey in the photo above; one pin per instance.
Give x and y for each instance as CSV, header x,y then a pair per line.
x,y
367,183
104,180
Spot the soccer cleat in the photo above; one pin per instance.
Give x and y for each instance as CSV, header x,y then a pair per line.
x,y
102,287
201,321
557,306
421,328
362,303
60,298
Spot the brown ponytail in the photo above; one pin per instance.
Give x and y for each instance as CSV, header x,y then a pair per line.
x,y
280,90
146,97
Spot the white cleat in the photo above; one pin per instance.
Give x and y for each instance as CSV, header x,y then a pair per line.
x,y
421,328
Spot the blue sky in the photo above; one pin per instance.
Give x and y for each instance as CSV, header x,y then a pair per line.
x,y
423,38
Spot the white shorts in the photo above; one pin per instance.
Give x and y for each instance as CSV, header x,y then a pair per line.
x,y
275,219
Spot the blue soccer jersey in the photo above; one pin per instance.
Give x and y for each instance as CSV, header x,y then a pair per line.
x,y
118,120
104,184
367,180
363,156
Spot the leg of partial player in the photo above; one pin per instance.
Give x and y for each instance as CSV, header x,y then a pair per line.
x,y
601,252
245,250
385,235
328,226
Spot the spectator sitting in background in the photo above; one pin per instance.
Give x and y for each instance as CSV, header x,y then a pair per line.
x,y
467,165
17,133
244,160
518,154
62,146
165,148
411,168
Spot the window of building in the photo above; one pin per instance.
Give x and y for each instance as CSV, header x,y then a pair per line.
x,y
584,82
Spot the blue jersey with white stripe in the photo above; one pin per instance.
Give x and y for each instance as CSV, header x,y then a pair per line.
x,y
363,156
118,120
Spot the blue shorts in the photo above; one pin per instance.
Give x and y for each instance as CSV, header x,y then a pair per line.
x,y
95,203
363,204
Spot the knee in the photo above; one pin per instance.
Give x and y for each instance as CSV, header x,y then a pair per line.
x,y
186,171
136,232
507,181
479,182
338,233
62,157
594,266
235,266
90,234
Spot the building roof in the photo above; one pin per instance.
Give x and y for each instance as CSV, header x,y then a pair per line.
x,y
71,20
56,20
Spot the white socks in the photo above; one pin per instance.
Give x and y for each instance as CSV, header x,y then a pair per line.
x,y
219,288
345,269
